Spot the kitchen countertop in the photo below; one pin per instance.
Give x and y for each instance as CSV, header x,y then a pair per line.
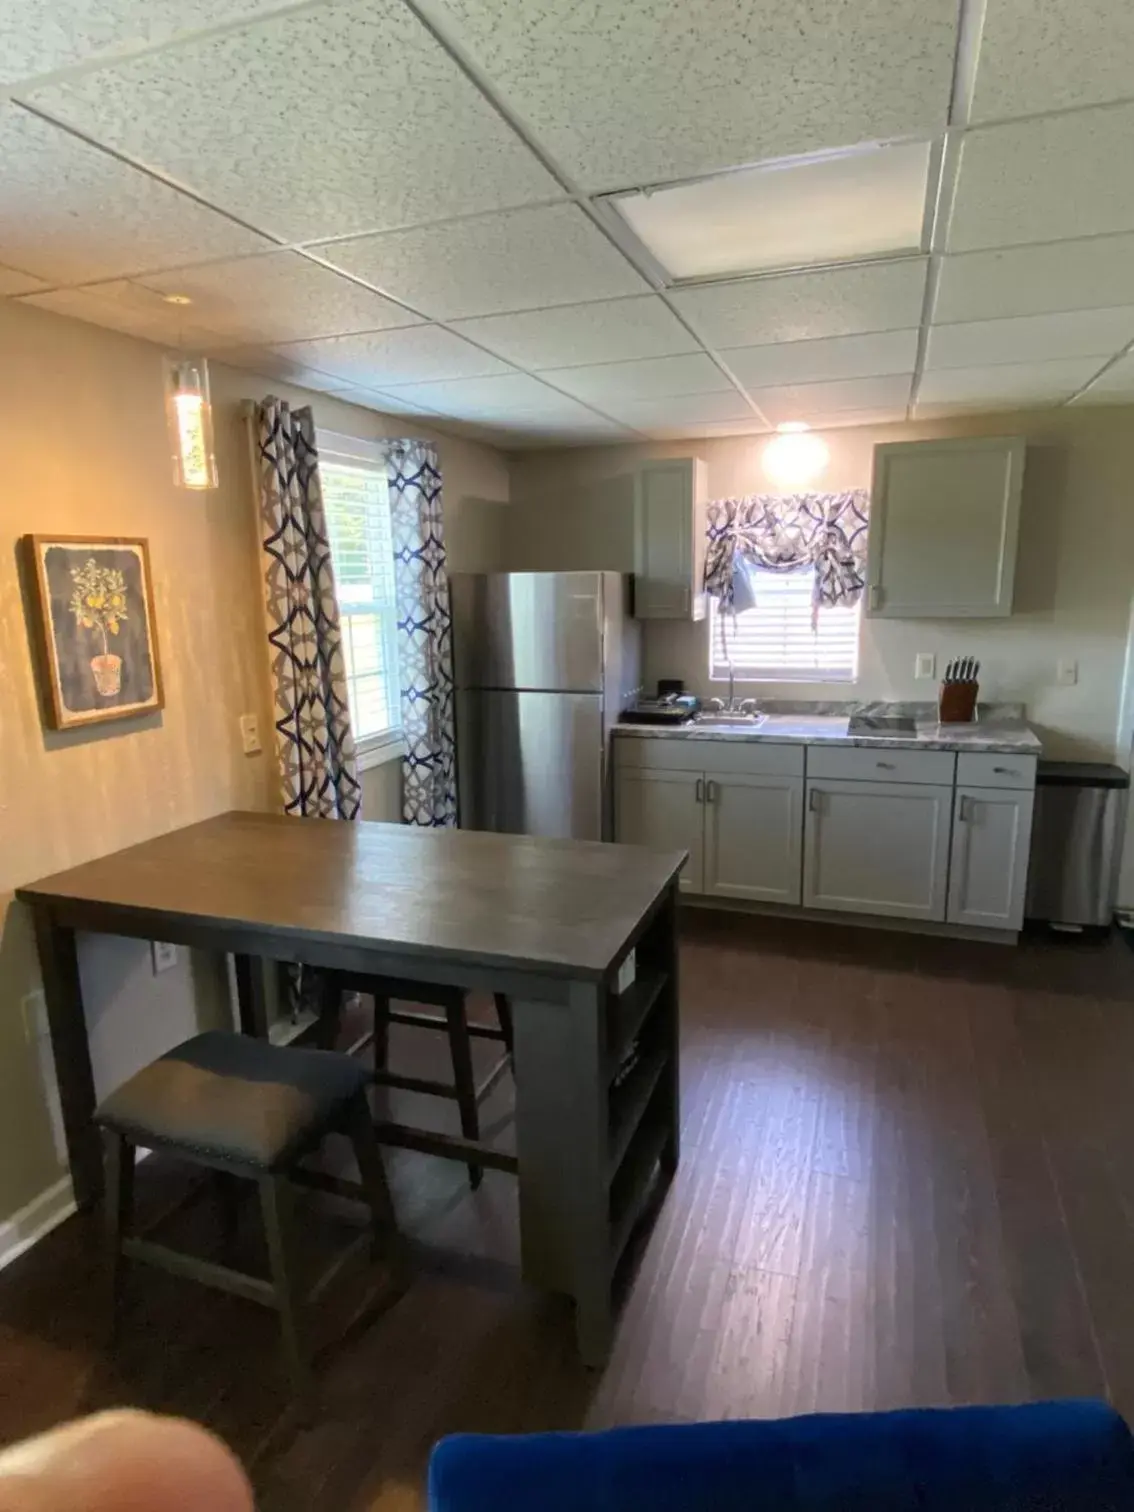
x,y
1003,736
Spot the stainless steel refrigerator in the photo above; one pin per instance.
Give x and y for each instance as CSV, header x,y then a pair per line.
x,y
544,663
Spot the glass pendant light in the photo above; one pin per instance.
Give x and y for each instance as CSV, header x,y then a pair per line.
x,y
190,416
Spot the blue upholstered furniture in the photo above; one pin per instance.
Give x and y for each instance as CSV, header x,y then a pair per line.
x,y
1073,1456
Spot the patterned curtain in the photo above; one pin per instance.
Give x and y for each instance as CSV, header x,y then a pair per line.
x,y
783,534
425,635
318,773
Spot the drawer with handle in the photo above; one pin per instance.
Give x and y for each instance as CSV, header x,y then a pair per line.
x,y
986,769
879,764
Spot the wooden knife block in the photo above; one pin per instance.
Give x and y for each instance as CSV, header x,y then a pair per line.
x,y
957,703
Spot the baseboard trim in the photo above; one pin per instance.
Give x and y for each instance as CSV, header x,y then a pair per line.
x,y
707,902
34,1221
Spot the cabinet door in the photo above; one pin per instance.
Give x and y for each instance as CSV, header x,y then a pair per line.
x,y
668,540
877,848
992,833
944,518
665,810
753,837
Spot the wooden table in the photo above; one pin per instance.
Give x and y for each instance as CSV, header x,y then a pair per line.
x,y
549,922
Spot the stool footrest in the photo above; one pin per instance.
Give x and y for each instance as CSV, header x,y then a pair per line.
x,y
448,1146
251,1288
414,1018
423,1084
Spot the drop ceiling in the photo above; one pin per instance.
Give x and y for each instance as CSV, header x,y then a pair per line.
x,y
428,206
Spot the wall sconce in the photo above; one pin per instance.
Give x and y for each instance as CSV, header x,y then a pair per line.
x,y
190,416
795,457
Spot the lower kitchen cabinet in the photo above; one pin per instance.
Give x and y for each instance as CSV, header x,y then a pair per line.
x,y
753,832
877,848
992,830
664,809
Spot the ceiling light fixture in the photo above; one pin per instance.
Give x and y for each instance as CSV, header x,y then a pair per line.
x,y
189,414
795,457
176,299
852,202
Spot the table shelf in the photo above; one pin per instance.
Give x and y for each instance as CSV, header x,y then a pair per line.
x,y
628,1013
631,1190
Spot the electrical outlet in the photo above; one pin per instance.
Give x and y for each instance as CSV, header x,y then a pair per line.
x,y
34,1011
925,665
1067,672
250,734
164,954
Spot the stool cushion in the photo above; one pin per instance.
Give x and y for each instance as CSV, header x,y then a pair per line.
x,y
228,1097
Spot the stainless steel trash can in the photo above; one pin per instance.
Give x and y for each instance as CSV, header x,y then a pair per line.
x,y
1080,820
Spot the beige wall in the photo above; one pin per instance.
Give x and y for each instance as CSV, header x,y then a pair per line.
x,y
84,442
1073,587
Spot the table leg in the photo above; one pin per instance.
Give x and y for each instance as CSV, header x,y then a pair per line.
x,y
562,1144
63,995
250,995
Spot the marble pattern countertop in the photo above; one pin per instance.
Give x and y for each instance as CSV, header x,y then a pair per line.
x,y
1000,729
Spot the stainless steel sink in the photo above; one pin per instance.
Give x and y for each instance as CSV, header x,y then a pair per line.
x,y
723,719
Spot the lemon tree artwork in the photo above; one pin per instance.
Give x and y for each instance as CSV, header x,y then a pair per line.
x,y
96,628
99,604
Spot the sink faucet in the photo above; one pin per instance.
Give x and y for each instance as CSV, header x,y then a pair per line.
x,y
733,706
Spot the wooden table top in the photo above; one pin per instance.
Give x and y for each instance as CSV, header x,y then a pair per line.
x,y
563,907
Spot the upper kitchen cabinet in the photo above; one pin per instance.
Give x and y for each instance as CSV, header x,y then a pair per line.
x,y
944,519
669,539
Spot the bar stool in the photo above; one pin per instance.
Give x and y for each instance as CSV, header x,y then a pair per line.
x,y
250,1109
453,1021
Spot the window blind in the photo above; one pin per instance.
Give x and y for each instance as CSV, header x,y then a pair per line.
x,y
774,642
357,507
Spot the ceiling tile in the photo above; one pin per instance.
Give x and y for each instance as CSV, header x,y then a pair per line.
x,y
616,330
845,419
806,306
1044,180
624,95
813,402
707,430
1067,275
14,282
390,359
281,297
831,357
124,306
343,118
685,409
1051,56
279,369
1007,384
70,214
1115,386
652,378
1030,338
822,208
37,36
514,260
498,398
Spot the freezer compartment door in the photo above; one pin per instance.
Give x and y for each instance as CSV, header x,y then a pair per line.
x,y
531,763
539,630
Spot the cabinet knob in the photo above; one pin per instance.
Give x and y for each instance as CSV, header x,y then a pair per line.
x,y
710,791
1006,771
886,766
965,811
875,596
814,800
699,791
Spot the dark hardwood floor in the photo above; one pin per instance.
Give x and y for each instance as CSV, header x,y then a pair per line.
x,y
907,1178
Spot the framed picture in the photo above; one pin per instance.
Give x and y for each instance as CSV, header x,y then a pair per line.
x,y
93,602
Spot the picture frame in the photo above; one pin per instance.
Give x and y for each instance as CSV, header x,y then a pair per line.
x,y
92,607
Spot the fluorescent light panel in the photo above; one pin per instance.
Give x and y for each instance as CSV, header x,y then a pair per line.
x,y
828,207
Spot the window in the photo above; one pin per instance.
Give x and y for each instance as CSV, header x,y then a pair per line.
x,y
357,505
774,641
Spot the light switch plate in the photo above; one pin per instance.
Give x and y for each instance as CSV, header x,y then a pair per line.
x,y
1067,672
34,1009
164,954
250,734
925,665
